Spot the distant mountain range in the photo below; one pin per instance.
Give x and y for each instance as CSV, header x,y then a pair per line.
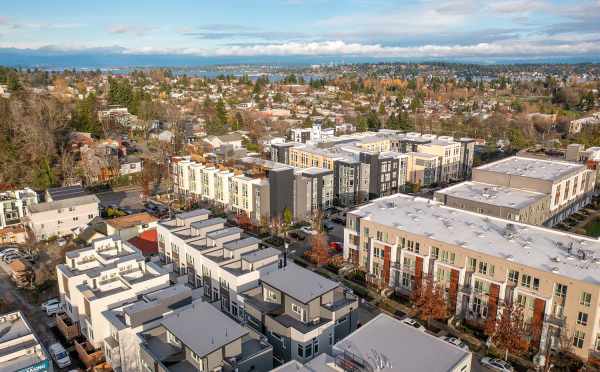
x,y
115,58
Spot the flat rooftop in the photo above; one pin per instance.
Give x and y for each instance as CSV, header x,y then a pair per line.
x,y
64,203
234,245
261,254
388,345
569,255
214,329
500,196
548,170
299,283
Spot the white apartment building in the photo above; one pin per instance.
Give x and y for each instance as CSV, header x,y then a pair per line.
x,y
62,217
13,205
448,154
205,253
106,274
20,348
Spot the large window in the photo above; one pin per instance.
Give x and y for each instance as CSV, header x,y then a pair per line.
x,y
585,299
578,339
560,290
513,277
582,318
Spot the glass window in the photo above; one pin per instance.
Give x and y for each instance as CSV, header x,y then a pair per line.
x,y
585,299
582,318
578,339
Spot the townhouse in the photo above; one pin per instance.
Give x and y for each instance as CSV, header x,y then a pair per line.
x,y
20,348
483,262
220,260
536,191
199,337
93,279
301,313
127,321
259,189
374,347
65,212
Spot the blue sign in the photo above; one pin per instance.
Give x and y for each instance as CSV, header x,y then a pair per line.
x,y
43,366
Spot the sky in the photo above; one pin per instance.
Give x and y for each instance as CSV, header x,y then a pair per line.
x,y
363,28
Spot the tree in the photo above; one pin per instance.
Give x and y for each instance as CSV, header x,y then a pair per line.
x,y
508,332
287,216
373,122
429,300
319,249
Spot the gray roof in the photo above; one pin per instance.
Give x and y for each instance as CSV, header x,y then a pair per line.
x,y
203,328
501,196
60,193
207,223
191,214
548,170
261,254
542,248
299,283
397,347
64,203
242,243
224,232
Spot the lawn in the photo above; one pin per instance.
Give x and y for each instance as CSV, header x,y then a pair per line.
x,y
593,228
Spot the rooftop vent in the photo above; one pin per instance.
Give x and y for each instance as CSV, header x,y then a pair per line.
x,y
555,270
556,259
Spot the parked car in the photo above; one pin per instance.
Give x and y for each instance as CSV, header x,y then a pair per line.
x,y
456,342
328,226
50,302
308,231
10,257
497,364
413,323
60,355
8,251
61,242
338,246
54,309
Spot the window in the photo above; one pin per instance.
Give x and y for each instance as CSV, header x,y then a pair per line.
x,y
560,290
90,216
578,339
526,281
298,310
271,295
341,320
196,358
483,267
585,299
315,345
330,337
513,277
472,264
582,318
279,338
406,280
536,284
435,252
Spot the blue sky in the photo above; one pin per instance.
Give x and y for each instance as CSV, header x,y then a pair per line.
x,y
412,28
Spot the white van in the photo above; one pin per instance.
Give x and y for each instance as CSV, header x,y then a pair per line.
x,y
60,355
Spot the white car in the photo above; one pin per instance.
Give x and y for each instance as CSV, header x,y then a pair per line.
x,y
54,308
456,342
8,251
308,231
60,355
413,323
50,302
497,364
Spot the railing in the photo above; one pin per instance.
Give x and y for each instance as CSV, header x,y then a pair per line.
x,y
556,320
351,362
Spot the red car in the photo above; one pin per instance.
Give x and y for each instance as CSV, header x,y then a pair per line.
x,y
337,246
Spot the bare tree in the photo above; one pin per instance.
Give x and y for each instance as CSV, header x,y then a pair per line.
x,y
508,332
429,300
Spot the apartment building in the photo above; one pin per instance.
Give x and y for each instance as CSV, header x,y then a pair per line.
x,y
260,189
93,279
20,348
127,321
536,191
449,158
13,205
220,260
483,262
199,337
422,169
65,212
301,313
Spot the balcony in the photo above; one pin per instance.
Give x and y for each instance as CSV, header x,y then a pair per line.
x,y
555,320
67,327
350,362
89,355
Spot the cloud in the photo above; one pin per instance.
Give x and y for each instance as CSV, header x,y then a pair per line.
x,y
129,29
262,35
517,6
224,27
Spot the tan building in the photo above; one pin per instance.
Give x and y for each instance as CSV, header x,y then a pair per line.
x,y
535,191
483,261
